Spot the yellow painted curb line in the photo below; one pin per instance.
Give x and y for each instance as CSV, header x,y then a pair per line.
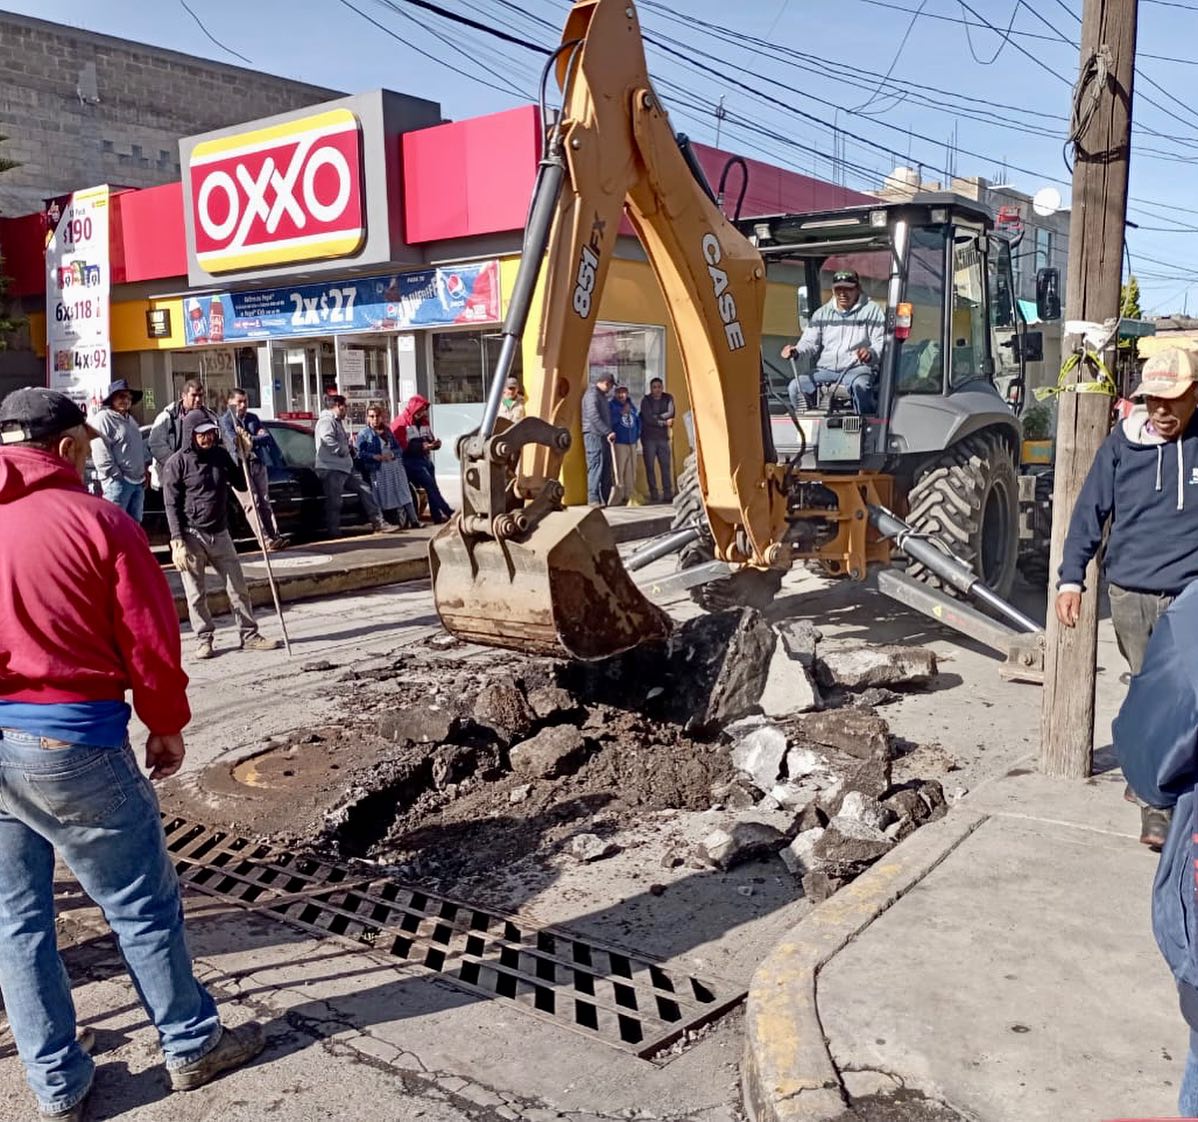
x,y
787,1070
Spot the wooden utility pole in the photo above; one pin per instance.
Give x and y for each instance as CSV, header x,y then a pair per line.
x,y
1102,139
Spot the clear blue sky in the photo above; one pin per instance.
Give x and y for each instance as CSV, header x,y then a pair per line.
x,y
994,89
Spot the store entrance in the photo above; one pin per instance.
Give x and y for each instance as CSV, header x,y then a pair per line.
x,y
309,369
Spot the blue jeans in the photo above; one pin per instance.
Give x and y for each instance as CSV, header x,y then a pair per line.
x,y
599,473
421,474
130,497
1187,1103
858,380
96,808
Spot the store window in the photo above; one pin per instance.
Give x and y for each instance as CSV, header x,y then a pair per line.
x,y
632,354
463,362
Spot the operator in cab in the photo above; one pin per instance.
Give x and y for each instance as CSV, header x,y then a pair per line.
x,y
842,345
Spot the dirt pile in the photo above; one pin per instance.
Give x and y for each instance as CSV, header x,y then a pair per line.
x,y
498,761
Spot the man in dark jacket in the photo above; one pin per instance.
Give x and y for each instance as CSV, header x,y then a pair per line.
x,y
598,436
249,442
1156,740
85,618
195,486
1144,480
166,434
657,426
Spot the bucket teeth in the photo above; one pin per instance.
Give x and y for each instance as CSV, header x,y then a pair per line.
x,y
563,590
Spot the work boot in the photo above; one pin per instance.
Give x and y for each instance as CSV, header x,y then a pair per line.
x,y
77,1113
382,526
1154,827
235,1048
204,648
259,642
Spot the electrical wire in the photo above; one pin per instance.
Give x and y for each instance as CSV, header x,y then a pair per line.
x,y
1006,38
212,38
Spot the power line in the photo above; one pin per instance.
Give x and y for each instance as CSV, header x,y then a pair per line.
x,y
212,38
1021,34
1005,38
412,47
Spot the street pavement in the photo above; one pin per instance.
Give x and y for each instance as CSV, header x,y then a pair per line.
x,y
1050,889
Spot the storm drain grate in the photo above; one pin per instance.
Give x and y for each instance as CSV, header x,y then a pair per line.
x,y
604,992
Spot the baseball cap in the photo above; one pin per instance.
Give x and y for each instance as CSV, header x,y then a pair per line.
x,y
35,413
204,426
845,277
512,384
1168,374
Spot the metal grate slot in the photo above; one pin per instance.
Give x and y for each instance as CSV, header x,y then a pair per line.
x,y
625,1000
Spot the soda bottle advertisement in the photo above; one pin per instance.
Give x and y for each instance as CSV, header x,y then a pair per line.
x,y
78,278
461,294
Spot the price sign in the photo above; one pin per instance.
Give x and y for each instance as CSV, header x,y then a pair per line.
x,y
78,280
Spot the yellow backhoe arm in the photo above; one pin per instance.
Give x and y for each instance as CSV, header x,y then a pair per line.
x,y
622,156
515,568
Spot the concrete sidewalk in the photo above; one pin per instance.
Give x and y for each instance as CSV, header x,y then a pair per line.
x,y
371,561
997,966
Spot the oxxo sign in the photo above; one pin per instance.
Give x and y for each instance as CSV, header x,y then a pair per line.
x,y
285,193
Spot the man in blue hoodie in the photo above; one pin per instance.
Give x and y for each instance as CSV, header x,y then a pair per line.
x,y
1144,480
1156,740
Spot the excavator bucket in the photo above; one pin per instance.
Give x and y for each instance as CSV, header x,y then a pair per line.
x,y
563,590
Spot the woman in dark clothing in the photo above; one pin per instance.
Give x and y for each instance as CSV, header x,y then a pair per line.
x,y
415,436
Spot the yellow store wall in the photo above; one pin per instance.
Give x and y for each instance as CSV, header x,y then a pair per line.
x,y
127,326
631,295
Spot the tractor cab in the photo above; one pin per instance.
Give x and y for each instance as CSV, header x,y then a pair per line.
x,y
953,342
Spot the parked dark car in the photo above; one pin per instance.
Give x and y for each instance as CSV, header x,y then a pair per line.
x,y
295,491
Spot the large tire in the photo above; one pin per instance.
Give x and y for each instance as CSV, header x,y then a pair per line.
x,y
746,588
968,498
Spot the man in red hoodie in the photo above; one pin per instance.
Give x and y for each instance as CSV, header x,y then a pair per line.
x,y
86,615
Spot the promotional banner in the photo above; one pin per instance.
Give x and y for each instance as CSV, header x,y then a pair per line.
x,y
439,297
78,279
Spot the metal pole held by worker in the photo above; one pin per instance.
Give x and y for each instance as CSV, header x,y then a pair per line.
x,y
1101,139
250,505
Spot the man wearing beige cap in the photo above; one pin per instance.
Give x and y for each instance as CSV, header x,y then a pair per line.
x,y
1144,481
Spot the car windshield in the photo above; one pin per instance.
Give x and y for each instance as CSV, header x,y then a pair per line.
x,y
297,446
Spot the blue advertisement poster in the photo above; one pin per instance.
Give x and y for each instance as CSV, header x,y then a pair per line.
x,y
439,297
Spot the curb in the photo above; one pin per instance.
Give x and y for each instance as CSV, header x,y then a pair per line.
x,y
787,1070
357,578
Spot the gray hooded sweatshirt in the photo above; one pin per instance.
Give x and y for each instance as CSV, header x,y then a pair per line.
x,y
119,453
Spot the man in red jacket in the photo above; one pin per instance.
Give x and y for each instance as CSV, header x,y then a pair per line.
x,y
86,615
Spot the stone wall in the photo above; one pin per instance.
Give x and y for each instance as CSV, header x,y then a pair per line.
x,y
81,109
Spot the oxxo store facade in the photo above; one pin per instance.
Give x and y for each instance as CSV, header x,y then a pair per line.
x,y
364,245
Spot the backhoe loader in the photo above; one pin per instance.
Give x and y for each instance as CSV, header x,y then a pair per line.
x,y
515,568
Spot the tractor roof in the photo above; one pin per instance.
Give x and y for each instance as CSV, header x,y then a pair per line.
x,y
852,223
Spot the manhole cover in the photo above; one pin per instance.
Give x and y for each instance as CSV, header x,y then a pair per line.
x,y
607,993
290,560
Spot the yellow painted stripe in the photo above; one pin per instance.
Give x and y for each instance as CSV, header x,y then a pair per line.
x,y
276,254
330,119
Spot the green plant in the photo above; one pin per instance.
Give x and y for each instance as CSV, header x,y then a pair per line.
x,y
1037,422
